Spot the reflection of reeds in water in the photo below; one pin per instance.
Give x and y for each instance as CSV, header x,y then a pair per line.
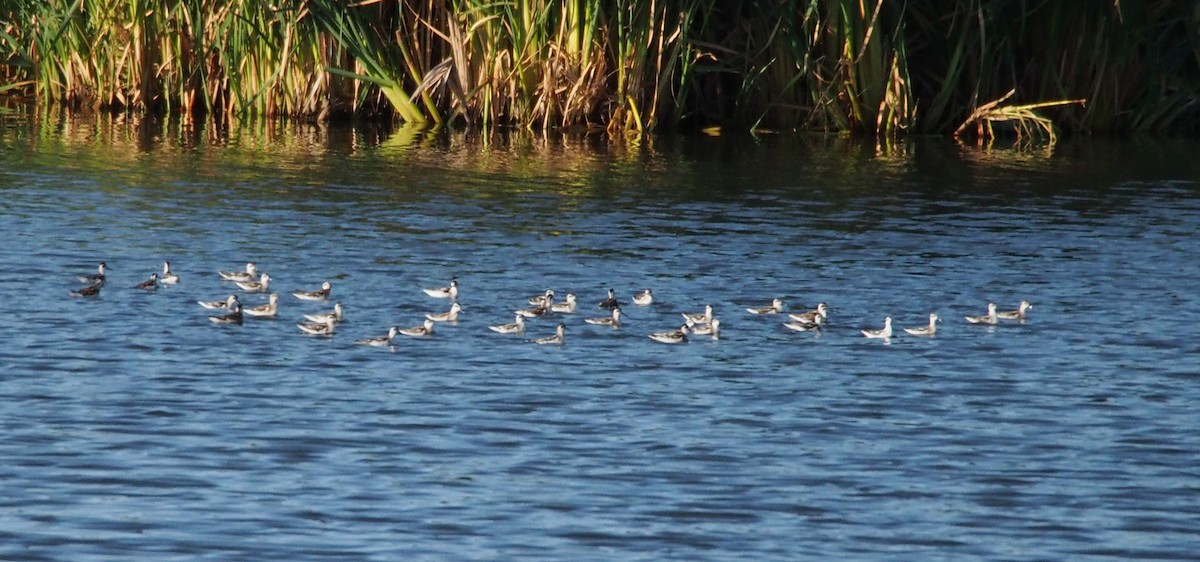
x,y
625,65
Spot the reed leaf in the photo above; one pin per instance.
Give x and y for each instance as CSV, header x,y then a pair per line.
x,y
874,67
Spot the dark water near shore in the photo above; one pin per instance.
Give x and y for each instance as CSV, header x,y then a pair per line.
x,y
133,428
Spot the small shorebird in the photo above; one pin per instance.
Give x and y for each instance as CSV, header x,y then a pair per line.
x,y
805,325
614,320
1018,314
929,330
674,336
885,333
566,307
775,308
168,277
92,290
381,341
250,274
425,329
712,329
702,317
810,317
334,315
150,284
643,298
260,286
234,317
534,312
98,277
544,299
318,328
611,302
450,292
264,310
989,318
226,304
448,316
517,327
320,295
558,338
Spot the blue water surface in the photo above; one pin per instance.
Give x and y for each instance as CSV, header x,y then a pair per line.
x,y
133,428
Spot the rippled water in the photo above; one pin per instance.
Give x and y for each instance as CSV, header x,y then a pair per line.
x,y
133,428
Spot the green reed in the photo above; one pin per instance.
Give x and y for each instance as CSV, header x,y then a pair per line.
x,y
867,66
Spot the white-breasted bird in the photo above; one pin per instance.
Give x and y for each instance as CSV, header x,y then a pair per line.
x,y
614,320
517,327
1018,314
450,292
250,274
264,310
989,318
425,329
168,277
448,316
226,304
929,330
260,286
644,298
381,341
336,315
775,308
318,295
884,333
674,336
559,337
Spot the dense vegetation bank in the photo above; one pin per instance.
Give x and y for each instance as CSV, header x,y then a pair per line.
x,y
866,66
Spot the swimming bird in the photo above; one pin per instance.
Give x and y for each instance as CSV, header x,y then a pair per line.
x,y
381,341
1018,314
227,303
929,330
544,299
989,318
674,336
700,318
250,274
517,327
614,320
712,329
234,317
448,316
425,329
534,312
611,302
450,292
885,333
559,337
150,284
776,307
260,286
643,298
810,316
314,295
805,325
98,277
566,307
168,277
92,290
335,315
264,310
318,328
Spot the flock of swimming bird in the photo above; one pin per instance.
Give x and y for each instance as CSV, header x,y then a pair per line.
x,y
251,280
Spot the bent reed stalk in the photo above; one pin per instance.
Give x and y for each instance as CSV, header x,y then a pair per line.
x,y
862,66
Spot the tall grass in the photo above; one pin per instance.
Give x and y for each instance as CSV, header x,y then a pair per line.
x,y
866,66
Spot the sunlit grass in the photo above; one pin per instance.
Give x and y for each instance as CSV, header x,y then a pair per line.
x,y
866,66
